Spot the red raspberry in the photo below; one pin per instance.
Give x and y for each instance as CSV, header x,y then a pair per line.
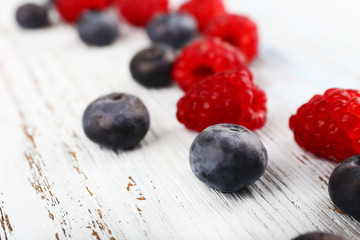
x,y
203,10
237,30
329,125
203,58
226,97
71,10
140,12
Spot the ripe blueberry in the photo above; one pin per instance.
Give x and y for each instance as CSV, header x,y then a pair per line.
x,y
32,16
152,66
97,28
228,157
318,236
117,120
175,29
344,186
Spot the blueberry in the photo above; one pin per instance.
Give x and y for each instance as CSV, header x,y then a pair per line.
x,y
228,157
175,29
32,16
151,67
344,186
318,236
117,121
97,28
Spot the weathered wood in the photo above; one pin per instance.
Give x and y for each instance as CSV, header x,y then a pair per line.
x,y
56,184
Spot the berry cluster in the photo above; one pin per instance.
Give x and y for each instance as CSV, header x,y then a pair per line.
x,y
205,50
202,31
94,23
210,68
97,27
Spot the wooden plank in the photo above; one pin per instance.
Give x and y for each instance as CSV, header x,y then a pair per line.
x,y
56,184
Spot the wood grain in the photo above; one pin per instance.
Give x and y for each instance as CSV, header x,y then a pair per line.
x,y
56,184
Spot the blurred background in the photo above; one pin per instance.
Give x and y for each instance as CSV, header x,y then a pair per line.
x,y
318,40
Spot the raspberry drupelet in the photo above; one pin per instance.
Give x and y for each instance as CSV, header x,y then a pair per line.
x,y
329,124
226,97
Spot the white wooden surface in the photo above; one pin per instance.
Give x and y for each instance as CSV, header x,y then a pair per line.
x,y
56,184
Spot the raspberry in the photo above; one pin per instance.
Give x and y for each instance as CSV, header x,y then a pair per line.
x,y
203,10
140,12
226,97
329,125
203,58
71,10
237,30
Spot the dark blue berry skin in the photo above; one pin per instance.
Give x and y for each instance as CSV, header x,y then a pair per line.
x,y
318,236
117,121
151,67
228,157
97,28
344,186
175,29
32,16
